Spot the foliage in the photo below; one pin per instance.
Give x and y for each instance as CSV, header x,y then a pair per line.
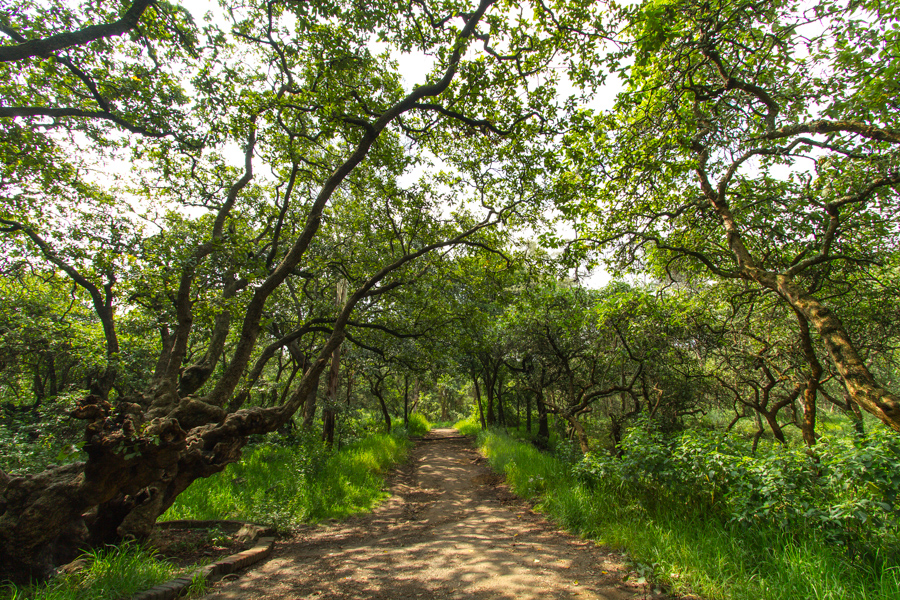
x,y
844,494
111,573
300,481
418,425
468,426
683,546
32,439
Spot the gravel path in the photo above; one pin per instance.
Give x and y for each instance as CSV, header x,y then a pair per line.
x,y
449,530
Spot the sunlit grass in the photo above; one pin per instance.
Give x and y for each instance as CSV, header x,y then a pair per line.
x,y
418,425
111,574
284,486
685,549
468,426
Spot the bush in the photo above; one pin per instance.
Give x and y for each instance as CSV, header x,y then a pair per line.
x,y
418,425
843,493
469,426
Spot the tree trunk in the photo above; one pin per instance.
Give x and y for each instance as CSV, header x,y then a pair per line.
x,y
406,400
489,388
331,399
528,413
387,415
349,387
858,380
774,426
444,396
808,426
309,408
543,434
501,414
477,393
580,433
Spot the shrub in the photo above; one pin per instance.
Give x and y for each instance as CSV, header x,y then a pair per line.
x,y
471,425
417,425
843,493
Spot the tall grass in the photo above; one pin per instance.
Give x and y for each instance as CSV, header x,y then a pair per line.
x,y
469,426
417,425
686,548
287,485
110,574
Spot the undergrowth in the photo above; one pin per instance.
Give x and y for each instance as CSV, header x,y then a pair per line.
x,y
468,426
416,426
735,528
112,573
302,481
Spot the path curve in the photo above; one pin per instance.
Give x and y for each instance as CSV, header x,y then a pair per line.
x,y
449,530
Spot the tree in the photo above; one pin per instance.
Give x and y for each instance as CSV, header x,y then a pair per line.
x,y
325,129
754,142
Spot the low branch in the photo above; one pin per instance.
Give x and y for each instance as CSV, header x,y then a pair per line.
x,y
826,126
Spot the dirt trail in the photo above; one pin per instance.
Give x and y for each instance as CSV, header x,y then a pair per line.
x,y
449,530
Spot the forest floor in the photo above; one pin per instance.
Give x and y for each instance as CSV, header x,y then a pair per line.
x,y
450,529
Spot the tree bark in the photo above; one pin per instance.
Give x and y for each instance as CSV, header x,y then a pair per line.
x,y
859,381
477,393
808,426
45,46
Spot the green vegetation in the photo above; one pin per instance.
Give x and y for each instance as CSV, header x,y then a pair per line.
x,y
468,426
212,230
296,482
418,425
109,574
698,515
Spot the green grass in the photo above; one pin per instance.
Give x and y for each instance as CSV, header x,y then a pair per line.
x,y
468,426
111,574
686,550
418,425
285,486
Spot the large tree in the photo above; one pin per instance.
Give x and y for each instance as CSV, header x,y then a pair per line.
x,y
757,142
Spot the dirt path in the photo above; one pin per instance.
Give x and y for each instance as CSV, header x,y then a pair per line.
x,y
450,530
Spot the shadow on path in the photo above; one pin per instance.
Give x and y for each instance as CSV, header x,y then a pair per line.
x,y
449,530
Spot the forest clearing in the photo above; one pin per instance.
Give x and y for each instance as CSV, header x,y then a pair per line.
x,y
646,253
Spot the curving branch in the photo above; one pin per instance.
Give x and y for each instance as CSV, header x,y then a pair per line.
x,y
59,113
826,126
60,41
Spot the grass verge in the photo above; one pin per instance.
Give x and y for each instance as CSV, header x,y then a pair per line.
x,y
683,548
468,426
111,574
287,485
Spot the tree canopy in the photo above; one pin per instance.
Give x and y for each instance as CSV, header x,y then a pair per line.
x,y
203,214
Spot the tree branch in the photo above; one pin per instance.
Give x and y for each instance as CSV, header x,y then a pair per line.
x,y
43,47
